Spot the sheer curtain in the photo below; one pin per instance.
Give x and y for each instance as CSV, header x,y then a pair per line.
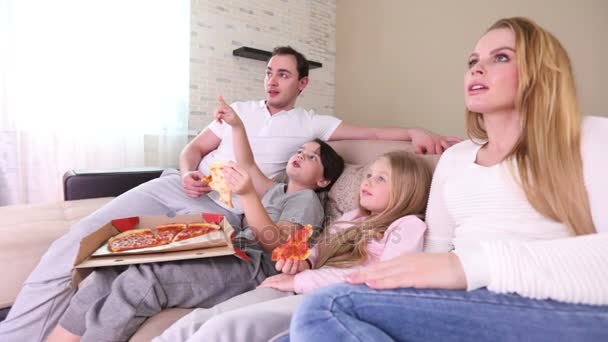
x,y
89,84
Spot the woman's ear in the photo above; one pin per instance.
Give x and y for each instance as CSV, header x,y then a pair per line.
x,y
322,183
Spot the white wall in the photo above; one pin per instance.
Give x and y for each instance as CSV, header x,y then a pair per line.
x,y
218,27
401,62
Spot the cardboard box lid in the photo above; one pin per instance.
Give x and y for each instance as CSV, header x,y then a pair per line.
x,y
84,263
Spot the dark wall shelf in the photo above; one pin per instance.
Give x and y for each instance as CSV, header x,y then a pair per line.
x,y
262,55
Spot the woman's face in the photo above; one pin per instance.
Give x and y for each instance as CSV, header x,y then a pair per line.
x,y
491,80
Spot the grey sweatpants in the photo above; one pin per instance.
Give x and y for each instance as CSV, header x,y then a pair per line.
x,y
46,293
254,316
114,305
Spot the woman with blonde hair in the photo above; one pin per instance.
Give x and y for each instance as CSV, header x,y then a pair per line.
x,y
392,200
516,216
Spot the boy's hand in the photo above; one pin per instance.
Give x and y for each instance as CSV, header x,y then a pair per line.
x,y
226,114
238,180
291,266
193,184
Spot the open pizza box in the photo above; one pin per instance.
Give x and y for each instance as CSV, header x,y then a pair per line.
x,y
94,250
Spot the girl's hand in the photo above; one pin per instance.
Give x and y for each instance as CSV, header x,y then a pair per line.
x,y
238,180
283,282
225,113
419,270
291,266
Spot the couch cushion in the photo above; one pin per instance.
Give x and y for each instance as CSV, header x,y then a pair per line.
x,y
33,228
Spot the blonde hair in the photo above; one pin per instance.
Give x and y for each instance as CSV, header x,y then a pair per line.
x,y
410,183
548,152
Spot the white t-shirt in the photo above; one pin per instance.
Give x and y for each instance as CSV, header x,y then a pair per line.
x,y
273,138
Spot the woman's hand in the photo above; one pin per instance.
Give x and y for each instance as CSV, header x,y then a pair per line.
x,y
291,266
283,282
225,113
238,180
419,270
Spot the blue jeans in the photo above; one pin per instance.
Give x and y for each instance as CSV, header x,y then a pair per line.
x,y
358,313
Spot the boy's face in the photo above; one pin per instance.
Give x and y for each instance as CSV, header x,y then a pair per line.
x,y
282,84
305,166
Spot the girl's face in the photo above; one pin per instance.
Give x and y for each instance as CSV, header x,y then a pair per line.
x,y
491,80
305,166
375,190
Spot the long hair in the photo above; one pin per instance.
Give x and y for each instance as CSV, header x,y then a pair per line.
x,y
410,184
548,152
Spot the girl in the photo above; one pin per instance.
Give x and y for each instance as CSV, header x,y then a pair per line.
x,y
392,198
521,205
115,303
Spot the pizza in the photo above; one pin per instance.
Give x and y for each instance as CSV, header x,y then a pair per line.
x,y
217,182
135,239
161,235
296,247
167,232
196,229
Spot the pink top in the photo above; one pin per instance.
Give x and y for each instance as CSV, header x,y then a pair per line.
x,y
404,235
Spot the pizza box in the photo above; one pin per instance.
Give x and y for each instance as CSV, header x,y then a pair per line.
x,y
93,250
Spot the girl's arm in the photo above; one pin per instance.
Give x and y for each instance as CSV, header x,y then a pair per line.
x,y
404,235
242,149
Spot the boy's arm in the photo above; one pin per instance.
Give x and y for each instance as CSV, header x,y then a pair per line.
x,y
268,233
424,141
242,149
244,158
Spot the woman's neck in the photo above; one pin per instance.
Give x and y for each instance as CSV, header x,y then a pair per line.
x,y
503,129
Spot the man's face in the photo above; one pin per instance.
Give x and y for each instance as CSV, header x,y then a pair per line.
x,y
282,84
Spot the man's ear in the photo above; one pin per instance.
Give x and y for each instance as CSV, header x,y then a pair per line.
x,y
322,183
302,83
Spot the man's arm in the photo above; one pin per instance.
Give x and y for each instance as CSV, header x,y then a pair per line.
x,y
191,156
424,141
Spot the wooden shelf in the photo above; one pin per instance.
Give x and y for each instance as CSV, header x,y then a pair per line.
x,y
262,55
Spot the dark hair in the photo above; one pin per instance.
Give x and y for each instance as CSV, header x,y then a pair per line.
x,y
333,164
302,63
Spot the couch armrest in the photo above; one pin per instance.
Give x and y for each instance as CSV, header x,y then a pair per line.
x,y
81,184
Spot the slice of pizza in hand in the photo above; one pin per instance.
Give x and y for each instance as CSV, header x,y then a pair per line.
x,y
135,239
196,229
296,247
217,182
167,232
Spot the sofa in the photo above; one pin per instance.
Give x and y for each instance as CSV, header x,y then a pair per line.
x,y
85,191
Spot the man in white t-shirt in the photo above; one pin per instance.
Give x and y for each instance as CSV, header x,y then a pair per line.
x,y
276,128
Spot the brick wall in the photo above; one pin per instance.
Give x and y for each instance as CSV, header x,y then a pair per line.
x,y
218,27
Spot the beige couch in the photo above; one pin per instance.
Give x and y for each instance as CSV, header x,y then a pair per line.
x,y
38,225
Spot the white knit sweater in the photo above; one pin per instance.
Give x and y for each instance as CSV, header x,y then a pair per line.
x,y
503,243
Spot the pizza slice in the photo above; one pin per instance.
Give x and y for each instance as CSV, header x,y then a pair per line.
x,y
195,229
167,232
296,247
135,239
217,182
